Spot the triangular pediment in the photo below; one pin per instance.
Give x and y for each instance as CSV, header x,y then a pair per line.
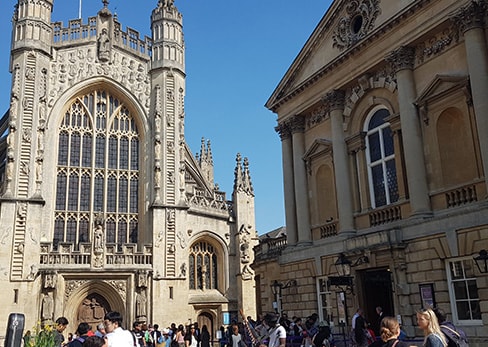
x,y
347,27
441,86
318,148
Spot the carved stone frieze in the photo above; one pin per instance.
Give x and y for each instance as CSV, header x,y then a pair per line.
x,y
357,21
318,115
71,286
71,67
436,45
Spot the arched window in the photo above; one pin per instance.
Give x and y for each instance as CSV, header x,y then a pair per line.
x,y
380,156
97,171
203,265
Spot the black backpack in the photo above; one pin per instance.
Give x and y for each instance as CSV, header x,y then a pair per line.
x,y
454,339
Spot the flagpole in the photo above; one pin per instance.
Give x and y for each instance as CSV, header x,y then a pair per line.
x,y
79,12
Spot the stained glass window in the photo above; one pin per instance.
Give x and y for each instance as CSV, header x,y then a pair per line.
x,y
203,265
97,171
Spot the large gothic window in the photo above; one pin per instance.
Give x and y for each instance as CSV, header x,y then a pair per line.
x,y
380,155
203,264
97,171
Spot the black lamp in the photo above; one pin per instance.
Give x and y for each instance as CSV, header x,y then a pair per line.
x,y
482,261
343,265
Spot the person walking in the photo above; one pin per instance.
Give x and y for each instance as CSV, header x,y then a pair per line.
x,y
204,337
389,333
455,336
427,321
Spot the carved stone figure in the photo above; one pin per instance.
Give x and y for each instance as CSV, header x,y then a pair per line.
x,y
104,46
141,302
47,307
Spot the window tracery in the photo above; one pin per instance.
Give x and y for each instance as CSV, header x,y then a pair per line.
x,y
97,170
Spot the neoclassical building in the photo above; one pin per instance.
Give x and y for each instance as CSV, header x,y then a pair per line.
x,y
382,119
103,206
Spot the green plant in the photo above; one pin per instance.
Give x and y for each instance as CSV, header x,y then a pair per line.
x,y
42,336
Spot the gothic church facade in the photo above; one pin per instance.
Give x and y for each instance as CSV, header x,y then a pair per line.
x,y
103,205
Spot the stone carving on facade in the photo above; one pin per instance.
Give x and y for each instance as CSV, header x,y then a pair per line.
x,y
50,280
401,58
246,273
120,286
71,286
384,78
436,45
104,46
21,212
20,248
141,304
34,270
98,241
91,310
471,16
181,238
84,65
30,73
32,236
4,236
183,270
357,22
15,81
142,279
317,116
47,307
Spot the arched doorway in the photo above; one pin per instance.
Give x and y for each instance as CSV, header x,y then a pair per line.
x,y
206,318
90,301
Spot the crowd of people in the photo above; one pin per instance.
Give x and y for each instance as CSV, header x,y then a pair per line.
x,y
270,330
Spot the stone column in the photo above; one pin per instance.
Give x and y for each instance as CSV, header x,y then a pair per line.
x,y
288,184
356,145
335,103
402,61
297,126
471,21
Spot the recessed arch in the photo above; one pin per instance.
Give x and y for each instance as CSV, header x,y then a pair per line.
x,y
90,289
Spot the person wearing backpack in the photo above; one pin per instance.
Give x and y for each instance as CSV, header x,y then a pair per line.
x,y
455,336
82,333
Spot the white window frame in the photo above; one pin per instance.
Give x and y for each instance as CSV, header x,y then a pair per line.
x,y
327,293
382,161
452,295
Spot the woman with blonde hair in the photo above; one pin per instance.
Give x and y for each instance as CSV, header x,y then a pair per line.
x,y
427,321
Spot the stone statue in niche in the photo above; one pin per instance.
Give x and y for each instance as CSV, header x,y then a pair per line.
x,y
141,302
47,307
104,46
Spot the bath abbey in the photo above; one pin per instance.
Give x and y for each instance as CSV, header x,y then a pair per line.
x,y
103,206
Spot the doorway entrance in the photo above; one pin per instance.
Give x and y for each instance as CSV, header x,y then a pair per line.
x,y
206,319
378,291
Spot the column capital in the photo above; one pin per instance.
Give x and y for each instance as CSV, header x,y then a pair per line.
x,y
283,130
401,58
470,16
334,100
297,124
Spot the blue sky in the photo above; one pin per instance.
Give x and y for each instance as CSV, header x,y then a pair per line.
x,y
236,54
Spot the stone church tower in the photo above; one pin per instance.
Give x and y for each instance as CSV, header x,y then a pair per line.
x,y
103,206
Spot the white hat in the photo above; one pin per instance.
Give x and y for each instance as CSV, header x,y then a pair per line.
x,y
165,331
